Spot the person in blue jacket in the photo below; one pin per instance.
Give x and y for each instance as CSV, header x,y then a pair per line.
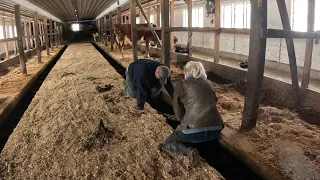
x,y
144,80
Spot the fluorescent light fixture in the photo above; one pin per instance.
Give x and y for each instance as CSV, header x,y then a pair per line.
x,y
111,8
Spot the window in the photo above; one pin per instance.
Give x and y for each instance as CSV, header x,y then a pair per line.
x,y
300,15
197,17
137,20
1,32
152,19
236,15
75,27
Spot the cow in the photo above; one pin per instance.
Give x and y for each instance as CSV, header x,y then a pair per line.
x,y
124,30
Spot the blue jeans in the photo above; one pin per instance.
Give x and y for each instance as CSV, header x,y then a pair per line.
x,y
131,89
180,142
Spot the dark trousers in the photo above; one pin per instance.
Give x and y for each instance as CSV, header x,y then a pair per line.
x,y
179,142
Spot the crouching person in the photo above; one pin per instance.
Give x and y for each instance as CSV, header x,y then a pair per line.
x,y
144,80
195,107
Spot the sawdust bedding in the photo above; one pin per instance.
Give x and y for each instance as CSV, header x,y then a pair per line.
x,y
12,81
281,139
81,125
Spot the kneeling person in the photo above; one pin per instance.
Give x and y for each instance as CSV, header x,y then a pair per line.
x,y
195,107
144,80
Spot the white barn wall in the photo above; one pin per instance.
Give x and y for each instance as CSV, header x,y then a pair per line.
x,y
239,44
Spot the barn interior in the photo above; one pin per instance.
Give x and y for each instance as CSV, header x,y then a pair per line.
x,y
64,113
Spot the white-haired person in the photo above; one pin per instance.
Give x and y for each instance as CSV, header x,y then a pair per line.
x,y
195,107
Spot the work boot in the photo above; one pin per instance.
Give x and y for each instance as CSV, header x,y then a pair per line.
x,y
193,157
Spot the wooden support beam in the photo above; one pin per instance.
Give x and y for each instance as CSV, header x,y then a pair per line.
x,y
290,47
36,32
23,66
235,31
105,37
6,48
119,15
13,34
8,40
165,36
149,24
111,31
30,34
217,35
27,40
257,53
46,35
60,29
133,29
56,36
148,28
277,33
190,34
193,29
171,25
148,13
51,36
34,38
158,15
309,45
41,32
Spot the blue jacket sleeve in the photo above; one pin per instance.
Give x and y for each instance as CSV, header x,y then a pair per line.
x,y
169,86
141,94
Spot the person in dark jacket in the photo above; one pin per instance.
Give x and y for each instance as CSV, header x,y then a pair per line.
x,y
195,107
144,80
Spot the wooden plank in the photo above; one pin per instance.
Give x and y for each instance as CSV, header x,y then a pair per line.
x,y
190,34
148,28
37,38
309,45
25,33
217,35
56,35
46,35
6,48
165,36
30,34
105,38
158,15
13,34
133,29
149,24
8,39
51,36
257,53
290,47
34,38
148,13
276,33
171,25
235,31
41,32
119,18
192,29
111,31
23,66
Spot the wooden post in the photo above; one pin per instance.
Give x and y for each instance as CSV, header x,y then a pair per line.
x,y
111,31
257,53
5,36
61,34
46,35
217,34
13,34
165,36
55,36
189,44
158,15
30,34
20,42
309,45
51,34
290,47
36,33
25,33
133,29
171,24
101,30
41,32
119,15
105,31
148,13
34,38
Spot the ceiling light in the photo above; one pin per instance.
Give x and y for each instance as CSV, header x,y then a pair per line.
x,y
75,10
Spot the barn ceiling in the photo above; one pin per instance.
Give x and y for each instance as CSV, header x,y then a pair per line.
x,y
72,10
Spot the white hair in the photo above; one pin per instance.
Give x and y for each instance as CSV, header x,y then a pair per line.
x,y
195,69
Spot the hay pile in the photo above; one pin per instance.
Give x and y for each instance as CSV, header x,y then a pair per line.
x,y
74,130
